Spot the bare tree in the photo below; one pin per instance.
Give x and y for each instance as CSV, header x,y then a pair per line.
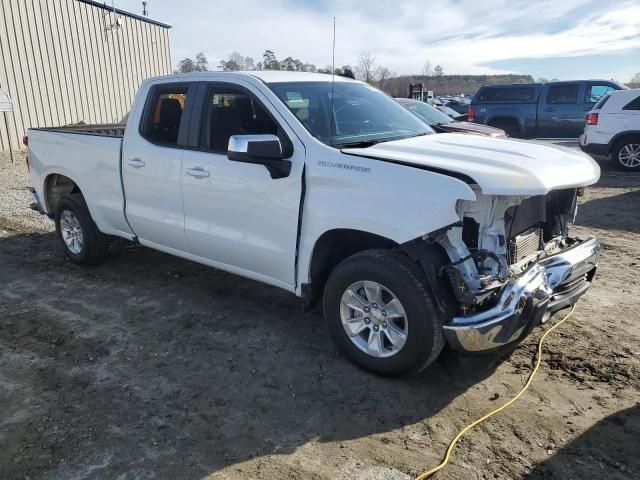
x,y
635,81
365,70
383,74
427,71
236,61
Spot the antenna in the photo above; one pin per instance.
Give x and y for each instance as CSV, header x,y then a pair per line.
x,y
144,9
114,24
333,75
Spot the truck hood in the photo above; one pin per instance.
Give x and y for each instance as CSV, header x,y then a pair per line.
x,y
499,166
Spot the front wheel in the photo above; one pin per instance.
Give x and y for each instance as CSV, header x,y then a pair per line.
x,y
81,240
381,315
626,154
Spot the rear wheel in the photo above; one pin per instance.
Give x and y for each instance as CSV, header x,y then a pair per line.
x,y
81,240
626,154
511,127
381,315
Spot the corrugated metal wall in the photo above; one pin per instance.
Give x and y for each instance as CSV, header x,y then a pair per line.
x,y
61,63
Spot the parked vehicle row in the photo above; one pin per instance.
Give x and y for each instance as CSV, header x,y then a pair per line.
x,y
613,129
460,105
328,188
539,110
442,123
452,113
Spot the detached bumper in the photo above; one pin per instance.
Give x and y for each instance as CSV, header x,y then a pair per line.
x,y
550,285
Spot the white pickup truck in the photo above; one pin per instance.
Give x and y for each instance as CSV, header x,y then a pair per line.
x,y
330,189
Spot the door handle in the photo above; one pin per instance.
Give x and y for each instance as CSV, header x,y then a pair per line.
x,y
197,172
549,109
136,162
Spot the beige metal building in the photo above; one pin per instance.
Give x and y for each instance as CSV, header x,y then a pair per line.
x,y
70,61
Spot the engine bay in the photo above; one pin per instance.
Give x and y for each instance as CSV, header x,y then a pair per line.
x,y
500,237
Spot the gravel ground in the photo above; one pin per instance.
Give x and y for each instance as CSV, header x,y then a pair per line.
x,y
149,366
15,196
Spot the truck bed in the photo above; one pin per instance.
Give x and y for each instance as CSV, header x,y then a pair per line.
x,y
101,129
88,155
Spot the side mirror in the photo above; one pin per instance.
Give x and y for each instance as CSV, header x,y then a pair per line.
x,y
261,150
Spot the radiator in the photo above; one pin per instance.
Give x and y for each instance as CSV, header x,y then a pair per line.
x,y
523,245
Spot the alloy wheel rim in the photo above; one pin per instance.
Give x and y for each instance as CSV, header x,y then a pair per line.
x,y
629,155
374,319
71,231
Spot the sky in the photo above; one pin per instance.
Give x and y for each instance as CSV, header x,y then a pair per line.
x,y
561,39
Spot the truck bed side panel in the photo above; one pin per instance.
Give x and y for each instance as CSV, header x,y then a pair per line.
x,y
522,111
93,163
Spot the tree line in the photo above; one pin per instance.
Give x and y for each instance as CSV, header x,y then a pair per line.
x,y
368,70
635,81
443,84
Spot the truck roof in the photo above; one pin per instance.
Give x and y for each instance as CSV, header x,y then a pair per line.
x,y
267,76
538,84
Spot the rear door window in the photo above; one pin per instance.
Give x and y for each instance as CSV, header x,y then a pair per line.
x,y
633,105
566,93
163,117
593,93
601,102
506,94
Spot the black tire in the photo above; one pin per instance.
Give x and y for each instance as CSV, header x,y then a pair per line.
x,y
617,149
94,243
511,128
400,275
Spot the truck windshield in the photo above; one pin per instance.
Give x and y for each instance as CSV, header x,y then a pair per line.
x,y
361,114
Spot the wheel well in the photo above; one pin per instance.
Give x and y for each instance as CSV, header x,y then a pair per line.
x,y
332,248
504,121
55,187
622,138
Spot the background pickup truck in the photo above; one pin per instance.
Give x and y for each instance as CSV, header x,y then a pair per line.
x,y
333,191
539,110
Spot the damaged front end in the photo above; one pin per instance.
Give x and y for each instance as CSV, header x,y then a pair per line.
x,y
512,265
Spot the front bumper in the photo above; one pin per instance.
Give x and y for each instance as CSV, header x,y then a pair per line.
x,y
551,284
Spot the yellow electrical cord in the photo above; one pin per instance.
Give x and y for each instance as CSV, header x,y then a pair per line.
x,y
499,409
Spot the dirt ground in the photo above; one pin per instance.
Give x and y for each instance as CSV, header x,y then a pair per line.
x,y
149,366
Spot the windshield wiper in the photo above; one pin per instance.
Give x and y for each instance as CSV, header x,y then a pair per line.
x,y
360,144
370,143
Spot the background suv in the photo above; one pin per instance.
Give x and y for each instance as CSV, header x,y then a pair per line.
x,y
613,128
